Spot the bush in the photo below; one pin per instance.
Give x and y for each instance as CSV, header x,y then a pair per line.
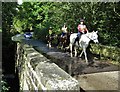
x,y
4,85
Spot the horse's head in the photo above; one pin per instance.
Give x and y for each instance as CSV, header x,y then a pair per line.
x,y
94,37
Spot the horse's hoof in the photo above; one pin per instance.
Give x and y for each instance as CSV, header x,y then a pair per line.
x,y
87,63
71,56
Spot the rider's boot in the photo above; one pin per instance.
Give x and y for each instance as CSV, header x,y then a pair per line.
x,y
78,42
76,39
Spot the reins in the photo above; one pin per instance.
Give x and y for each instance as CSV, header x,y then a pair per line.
x,y
88,37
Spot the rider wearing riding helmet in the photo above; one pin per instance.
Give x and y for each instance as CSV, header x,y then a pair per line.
x,y
64,30
82,29
50,31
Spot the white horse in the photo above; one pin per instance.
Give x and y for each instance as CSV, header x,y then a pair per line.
x,y
83,42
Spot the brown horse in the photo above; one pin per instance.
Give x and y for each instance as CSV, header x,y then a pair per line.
x,y
50,39
63,42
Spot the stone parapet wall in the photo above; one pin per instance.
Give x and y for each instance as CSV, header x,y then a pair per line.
x,y
36,72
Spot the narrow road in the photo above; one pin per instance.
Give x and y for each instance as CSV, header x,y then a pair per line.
x,y
78,64
100,81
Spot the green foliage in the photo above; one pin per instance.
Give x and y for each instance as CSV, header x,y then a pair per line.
x,y
4,85
100,16
0,30
8,46
106,51
8,13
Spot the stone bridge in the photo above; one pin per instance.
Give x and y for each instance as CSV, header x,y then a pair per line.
x,y
42,68
36,72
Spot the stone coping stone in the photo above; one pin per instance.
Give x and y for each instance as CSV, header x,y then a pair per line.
x,y
54,78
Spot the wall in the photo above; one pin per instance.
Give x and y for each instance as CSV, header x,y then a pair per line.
x,y
36,72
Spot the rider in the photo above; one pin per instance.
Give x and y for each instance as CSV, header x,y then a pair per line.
x,y
82,29
50,31
64,30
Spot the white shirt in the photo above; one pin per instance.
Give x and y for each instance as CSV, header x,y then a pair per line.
x,y
64,29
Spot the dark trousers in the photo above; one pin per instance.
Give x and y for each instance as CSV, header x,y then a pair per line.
x,y
78,37
79,34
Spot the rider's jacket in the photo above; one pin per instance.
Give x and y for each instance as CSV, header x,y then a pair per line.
x,y
82,28
50,32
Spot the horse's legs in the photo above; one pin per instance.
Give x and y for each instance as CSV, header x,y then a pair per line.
x,y
75,51
84,50
49,44
71,50
81,53
58,41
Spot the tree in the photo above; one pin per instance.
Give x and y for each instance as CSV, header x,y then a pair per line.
x,y
8,47
100,16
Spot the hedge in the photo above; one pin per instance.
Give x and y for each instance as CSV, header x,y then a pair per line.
x,y
106,51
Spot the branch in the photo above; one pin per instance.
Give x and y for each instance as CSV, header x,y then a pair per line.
x,y
116,12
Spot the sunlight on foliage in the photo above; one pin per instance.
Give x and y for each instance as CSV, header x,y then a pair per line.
x,y
37,16
0,30
4,85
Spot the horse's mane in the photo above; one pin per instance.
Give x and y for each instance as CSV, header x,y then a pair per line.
x,y
88,33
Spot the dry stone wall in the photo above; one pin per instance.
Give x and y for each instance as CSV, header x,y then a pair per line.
x,y
36,72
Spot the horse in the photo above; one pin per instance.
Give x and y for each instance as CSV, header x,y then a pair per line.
x,y
84,41
50,38
64,41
